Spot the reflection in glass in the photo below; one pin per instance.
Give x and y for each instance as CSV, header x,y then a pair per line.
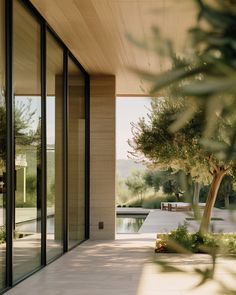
x,y
3,150
76,154
27,106
54,148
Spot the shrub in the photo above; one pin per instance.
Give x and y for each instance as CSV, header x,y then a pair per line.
x,y
153,202
136,202
170,198
196,242
231,244
181,236
31,184
31,202
2,234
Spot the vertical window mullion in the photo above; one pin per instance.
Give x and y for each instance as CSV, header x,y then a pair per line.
x,y
10,184
43,147
65,152
87,157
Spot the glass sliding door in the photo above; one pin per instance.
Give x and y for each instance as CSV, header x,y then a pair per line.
x,y
76,154
3,148
65,133
54,105
27,108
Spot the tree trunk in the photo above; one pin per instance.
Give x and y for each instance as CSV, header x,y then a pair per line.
x,y
196,210
211,198
226,200
197,188
177,196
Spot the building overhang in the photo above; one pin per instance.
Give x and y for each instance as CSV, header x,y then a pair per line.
x,y
96,33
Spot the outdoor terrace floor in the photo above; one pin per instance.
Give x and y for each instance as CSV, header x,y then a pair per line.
x,y
124,266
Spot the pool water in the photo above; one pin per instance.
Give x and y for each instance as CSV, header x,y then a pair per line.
x,y
129,223
124,224
30,227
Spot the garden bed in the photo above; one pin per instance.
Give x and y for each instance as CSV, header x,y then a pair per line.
x,y
182,241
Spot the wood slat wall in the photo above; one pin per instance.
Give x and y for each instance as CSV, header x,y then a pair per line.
x,y
102,157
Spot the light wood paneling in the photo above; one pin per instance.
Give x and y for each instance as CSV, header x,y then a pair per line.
x,y
102,157
76,155
95,31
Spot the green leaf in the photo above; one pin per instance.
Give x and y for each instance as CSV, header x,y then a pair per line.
x,y
217,18
202,88
182,119
173,76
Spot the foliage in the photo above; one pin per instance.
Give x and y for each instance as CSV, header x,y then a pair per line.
x,y
154,143
222,243
51,194
2,133
2,234
153,179
122,192
151,202
167,180
30,202
206,76
155,202
172,186
31,184
225,190
181,236
134,202
181,150
203,85
136,184
23,119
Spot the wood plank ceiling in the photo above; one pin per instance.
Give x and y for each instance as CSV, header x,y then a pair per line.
x,y
95,31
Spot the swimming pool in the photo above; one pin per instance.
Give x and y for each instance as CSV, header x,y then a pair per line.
x,y
129,223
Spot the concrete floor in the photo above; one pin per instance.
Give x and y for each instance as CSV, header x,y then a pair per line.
x,y
127,266
105,267
124,266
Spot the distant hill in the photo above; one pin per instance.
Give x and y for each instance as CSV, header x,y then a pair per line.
x,y
125,167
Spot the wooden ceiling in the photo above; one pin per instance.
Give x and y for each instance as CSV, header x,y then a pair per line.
x,y
95,31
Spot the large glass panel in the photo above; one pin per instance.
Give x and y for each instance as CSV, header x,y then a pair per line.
x,y
27,104
3,149
76,154
54,148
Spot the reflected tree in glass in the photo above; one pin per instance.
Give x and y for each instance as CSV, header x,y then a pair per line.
x,y
2,148
27,106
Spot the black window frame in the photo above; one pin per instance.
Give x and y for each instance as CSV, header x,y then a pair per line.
x,y
10,163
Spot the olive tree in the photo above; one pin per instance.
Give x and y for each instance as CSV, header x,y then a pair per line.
x,y
154,143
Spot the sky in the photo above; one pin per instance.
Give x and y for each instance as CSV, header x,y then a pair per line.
x,y
35,105
128,109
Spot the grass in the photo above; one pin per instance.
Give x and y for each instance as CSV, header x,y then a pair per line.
x,y
150,202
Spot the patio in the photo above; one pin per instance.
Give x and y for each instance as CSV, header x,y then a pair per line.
x,y
126,266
